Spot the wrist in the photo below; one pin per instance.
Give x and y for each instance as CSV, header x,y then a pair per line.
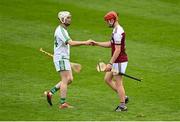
x,y
85,43
97,43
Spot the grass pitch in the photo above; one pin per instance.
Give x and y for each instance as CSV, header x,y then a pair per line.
x,y
152,41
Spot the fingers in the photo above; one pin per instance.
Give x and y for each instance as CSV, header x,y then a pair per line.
x,y
102,67
108,68
91,42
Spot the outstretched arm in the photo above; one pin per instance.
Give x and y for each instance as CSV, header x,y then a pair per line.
x,y
101,44
78,43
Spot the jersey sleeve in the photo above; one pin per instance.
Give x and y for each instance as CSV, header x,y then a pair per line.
x,y
117,38
65,36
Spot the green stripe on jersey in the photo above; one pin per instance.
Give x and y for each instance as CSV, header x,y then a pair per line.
x,y
64,34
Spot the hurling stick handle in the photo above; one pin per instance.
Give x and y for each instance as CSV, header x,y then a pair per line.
x,y
51,55
130,76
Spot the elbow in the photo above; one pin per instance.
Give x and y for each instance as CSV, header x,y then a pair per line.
x,y
70,43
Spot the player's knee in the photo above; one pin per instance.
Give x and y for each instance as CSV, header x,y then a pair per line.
x,y
70,79
107,80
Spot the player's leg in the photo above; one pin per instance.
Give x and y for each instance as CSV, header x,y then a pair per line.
x,y
60,66
70,77
120,67
58,85
123,67
50,93
121,93
108,79
66,79
55,88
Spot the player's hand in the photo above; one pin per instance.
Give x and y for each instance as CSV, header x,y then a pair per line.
x,y
93,43
90,42
108,68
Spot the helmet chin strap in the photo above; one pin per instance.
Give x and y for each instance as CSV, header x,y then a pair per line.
x,y
63,20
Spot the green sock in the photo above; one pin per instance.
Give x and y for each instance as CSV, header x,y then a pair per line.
x,y
62,100
54,90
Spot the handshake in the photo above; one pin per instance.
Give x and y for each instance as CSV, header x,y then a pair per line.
x,y
91,42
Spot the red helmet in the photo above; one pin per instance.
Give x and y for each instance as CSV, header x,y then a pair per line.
x,y
111,15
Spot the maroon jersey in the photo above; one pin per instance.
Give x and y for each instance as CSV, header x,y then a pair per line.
x,y
118,38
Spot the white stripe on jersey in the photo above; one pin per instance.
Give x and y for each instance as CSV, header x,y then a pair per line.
x,y
117,31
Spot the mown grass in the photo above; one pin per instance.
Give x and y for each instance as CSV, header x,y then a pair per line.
x,y
152,29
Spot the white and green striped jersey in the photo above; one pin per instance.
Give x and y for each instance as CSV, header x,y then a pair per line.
x,y
61,47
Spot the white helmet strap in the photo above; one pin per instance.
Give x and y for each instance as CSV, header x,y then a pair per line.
x,y
63,20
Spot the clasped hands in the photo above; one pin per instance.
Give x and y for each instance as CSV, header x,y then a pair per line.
x,y
91,42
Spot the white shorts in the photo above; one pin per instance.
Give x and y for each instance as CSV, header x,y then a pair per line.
x,y
62,65
119,68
